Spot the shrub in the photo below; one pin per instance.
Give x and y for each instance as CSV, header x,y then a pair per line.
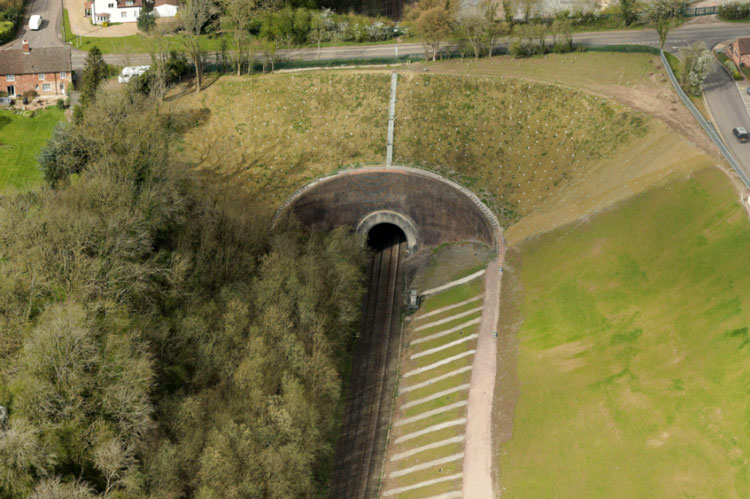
x,y
732,68
60,104
7,28
734,11
30,94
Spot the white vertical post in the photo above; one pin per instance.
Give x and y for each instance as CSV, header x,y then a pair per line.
x,y
391,118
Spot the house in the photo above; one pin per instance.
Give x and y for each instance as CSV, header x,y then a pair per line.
x,y
127,11
46,70
739,51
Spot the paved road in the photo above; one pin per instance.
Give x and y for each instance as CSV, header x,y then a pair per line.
x,y
729,111
48,35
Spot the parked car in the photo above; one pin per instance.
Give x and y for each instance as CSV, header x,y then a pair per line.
x,y
35,22
741,134
131,71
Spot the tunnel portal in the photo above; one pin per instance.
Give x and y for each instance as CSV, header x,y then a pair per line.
x,y
428,208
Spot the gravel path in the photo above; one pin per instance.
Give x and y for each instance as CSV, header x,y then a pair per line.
x,y
477,469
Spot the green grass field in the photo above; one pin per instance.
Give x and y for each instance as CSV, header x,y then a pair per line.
x,y
633,361
21,139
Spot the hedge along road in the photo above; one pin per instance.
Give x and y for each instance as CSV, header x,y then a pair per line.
x,y
685,34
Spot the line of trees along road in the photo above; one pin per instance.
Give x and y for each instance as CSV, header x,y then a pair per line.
x,y
156,340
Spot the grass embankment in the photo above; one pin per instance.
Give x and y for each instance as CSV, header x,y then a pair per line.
x,y
21,139
633,351
430,343
540,154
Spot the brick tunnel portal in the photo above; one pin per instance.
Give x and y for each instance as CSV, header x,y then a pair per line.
x,y
427,207
396,211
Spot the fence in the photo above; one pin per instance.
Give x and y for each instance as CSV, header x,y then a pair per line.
x,y
699,11
708,127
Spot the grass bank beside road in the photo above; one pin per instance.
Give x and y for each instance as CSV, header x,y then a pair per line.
x,y
21,139
633,350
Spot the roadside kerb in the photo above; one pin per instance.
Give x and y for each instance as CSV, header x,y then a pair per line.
x,y
709,129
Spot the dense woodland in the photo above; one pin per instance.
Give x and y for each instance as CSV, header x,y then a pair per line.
x,y
156,340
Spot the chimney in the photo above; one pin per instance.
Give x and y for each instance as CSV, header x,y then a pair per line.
x,y
26,49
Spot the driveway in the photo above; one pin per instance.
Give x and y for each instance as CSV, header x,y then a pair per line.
x,y
81,25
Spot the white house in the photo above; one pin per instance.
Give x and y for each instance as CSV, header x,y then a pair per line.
x,y
127,11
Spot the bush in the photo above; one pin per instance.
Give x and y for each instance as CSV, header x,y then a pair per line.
x,y
734,11
733,70
60,104
7,29
30,95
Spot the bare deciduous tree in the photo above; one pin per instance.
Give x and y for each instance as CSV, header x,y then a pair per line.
x,y
193,17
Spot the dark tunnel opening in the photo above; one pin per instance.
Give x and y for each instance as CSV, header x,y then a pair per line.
x,y
384,235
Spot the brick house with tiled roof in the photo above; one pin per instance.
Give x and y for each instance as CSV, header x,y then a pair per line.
x,y
739,51
49,71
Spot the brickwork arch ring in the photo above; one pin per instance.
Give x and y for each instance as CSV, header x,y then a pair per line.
x,y
401,221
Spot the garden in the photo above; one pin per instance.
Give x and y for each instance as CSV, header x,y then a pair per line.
x,y
22,137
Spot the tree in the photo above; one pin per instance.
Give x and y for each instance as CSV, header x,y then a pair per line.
x,y
319,28
146,21
662,15
472,28
695,66
628,11
113,460
193,17
493,29
237,17
530,8
94,73
432,27
510,9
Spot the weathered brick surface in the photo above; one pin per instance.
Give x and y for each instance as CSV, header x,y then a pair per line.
x,y
441,211
22,83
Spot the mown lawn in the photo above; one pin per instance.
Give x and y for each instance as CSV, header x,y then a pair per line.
x,y
633,364
21,139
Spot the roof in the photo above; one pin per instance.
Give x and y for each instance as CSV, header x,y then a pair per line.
x,y
159,3
39,60
121,4
743,45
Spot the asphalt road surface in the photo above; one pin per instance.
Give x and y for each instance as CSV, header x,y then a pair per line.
x,y
729,111
48,34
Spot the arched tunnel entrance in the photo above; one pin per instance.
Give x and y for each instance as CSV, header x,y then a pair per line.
x,y
384,235
397,211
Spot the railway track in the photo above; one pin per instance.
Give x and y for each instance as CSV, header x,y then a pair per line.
x,y
357,467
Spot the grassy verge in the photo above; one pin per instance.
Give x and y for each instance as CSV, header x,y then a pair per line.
x,y
21,139
453,295
633,351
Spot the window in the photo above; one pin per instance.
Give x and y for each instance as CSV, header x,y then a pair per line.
x,y
63,74
42,76
46,87
124,14
62,87
111,5
129,3
10,77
